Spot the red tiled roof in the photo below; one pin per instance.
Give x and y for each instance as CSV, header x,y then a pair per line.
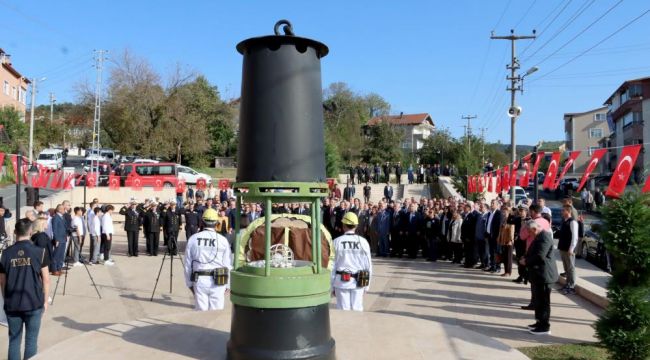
x,y
405,119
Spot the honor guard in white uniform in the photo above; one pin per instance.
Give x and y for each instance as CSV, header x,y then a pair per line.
x,y
352,266
208,261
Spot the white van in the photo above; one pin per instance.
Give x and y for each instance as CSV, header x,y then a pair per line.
x,y
51,159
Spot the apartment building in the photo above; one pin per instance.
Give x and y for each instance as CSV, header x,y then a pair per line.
x,y
583,131
628,109
416,128
14,85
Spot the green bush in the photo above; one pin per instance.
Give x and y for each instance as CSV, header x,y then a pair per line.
x,y
624,327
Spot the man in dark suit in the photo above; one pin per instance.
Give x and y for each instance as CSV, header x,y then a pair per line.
x,y
493,226
542,275
349,192
398,172
388,192
132,222
414,232
467,231
59,240
387,171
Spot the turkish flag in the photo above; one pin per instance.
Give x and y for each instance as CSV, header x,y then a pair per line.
x,y
224,184
479,183
57,180
470,185
68,182
180,186
43,178
200,184
595,158
2,159
646,187
158,184
505,178
91,180
623,171
14,164
113,182
136,182
523,181
513,174
498,182
538,160
490,186
567,165
551,173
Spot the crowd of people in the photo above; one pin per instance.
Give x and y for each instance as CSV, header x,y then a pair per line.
x,y
420,173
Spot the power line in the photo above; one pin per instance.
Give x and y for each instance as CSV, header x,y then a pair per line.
x,y
525,13
592,47
547,26
502,14
575,15
581,32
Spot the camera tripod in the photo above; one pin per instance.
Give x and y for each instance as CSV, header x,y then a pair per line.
x,y
172,250
67,266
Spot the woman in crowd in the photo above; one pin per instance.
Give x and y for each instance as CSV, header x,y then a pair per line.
x,y
455,241
506,240
521,235
39,236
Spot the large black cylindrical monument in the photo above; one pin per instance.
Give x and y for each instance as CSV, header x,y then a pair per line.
x,y
280,283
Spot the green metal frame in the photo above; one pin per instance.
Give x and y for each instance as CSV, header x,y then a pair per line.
x,y
285,287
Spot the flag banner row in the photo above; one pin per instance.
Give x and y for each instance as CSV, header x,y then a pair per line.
x,y
58,179
502,179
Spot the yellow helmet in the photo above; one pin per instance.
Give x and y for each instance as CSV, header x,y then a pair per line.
x,y
350,218
210,215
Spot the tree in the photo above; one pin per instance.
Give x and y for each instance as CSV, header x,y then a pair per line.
x,y
624,327
332,160
382,144
17,131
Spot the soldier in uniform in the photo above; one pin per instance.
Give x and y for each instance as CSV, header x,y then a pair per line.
x,y
172,224
192,221
131,226
163,215
352,266
208,261
152,226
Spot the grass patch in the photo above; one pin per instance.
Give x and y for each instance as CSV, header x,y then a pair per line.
x,y
591,351
219,173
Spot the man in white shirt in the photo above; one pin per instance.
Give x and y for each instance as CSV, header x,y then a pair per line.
x,y
95,230
545,209
208,261
107,234
78,232
352,266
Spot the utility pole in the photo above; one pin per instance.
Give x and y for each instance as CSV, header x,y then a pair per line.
x,y
515,80
52,100
483,146
96,145
31,119
468,130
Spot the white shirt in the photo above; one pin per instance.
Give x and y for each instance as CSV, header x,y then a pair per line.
x,y
489,223
95,226
48,229
89,219
107,224
547,210
352,254
206,250
78,225
574,235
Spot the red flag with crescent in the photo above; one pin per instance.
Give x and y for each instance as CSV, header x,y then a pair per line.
x,y
180,186
479,183
57,180
67,183
551,172
513,174
523,181
498,182
490,186
201,184
470,184
158,184
505,178
91,180
567,165
595,159
623,171
224,184
14,164
136,181
538,161
113,182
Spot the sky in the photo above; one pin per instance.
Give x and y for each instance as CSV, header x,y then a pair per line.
x,y
421,56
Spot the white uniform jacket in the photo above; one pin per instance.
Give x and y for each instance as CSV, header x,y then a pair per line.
x,y
206,251
352,254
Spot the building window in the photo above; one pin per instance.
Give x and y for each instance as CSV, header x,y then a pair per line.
x,y
14,93
596,133
636,117
635,90
627,120
600,117
5,88
21,95
406,145
592,149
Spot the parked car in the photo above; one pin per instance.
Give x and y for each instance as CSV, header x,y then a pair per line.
x,y
591,247
95,160
190,176
145,161
569,183
149,173
520,195
51,159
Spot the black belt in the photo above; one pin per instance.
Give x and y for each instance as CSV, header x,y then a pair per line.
x,y
204,273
